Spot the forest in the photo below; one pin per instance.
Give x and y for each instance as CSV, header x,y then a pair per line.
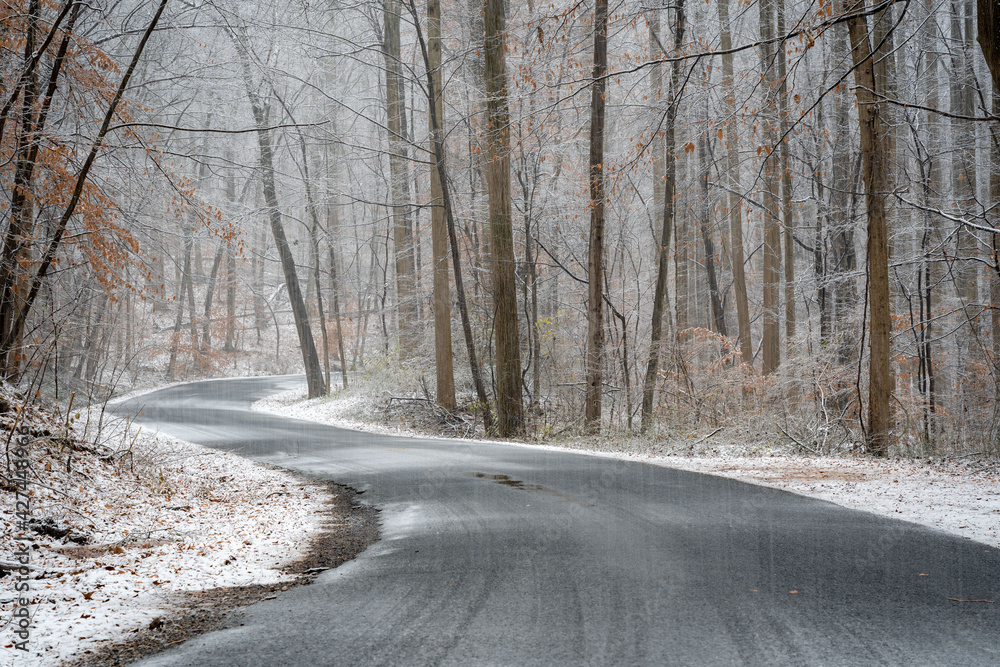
x,y
563,217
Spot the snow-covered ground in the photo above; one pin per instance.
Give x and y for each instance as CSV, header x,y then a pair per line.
x,y
959,497
170,517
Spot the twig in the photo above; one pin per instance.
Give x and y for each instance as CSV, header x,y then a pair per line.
x,y
708,436
961,600
808,449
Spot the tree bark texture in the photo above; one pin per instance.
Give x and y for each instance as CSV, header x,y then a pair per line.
x,y
874,158
595,251
772,232
444,363
988,14
735,201
399,176
510,411
437,134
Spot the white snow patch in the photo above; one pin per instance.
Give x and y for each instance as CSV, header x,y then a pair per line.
x,y
191,519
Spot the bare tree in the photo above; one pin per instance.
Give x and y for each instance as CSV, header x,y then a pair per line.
x,y
439,227
735,201
510,411
772,233
314,373
874,155
399,176
669,190
595,252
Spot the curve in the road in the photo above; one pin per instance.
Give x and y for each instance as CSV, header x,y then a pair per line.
x,y
501,555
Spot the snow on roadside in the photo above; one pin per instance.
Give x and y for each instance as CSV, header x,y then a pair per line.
x,y
958,498
948,496
161,517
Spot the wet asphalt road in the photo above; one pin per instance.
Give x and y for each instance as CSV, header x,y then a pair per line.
x,y
507,555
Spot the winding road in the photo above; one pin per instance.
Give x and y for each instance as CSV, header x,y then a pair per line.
x,y
495,554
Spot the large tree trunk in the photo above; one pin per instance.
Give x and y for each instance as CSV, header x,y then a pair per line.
x,y
399,176
314,373
437,135
735,201
439,227
772,232
875,157
595,252
510,412
989,36
670,187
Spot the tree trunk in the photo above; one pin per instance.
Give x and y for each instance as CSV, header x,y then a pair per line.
x,y
206,327
334,288
510,412
14,280
22,209
670,186
24,307
399,176
735,201
714,294
657,143
875,157
963,166
179,318
787,215
314,374
772,232
595,252
437,133
994,221
844,256
439,228
932,186
230,299
989,36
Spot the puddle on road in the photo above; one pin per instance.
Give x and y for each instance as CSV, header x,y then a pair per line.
x,y
507,480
